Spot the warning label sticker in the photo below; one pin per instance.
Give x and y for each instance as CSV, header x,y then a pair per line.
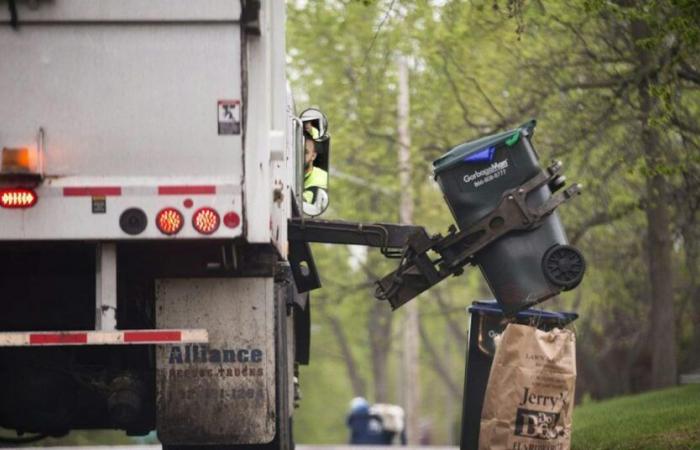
x,y
229,116
99,205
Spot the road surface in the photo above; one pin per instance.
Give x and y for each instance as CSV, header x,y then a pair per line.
x,y
298,447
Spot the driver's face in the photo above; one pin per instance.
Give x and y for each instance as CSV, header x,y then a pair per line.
x,y
309,153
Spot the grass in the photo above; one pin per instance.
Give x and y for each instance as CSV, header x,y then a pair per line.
x,y
667,419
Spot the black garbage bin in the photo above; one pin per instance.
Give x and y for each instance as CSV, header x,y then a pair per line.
x,y
487,322
522,268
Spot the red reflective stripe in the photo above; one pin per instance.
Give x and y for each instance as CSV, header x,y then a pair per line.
x,y
92,191
150,336
58,338
185,190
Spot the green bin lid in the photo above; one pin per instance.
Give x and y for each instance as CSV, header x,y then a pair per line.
x,y
472,148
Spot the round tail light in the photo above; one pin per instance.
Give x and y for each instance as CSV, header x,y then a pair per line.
x,y
206,220
232,220
169,221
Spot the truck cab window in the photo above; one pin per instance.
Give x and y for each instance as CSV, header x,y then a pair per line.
x,y
316,162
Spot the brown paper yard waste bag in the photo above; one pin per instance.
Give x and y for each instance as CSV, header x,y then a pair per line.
x,y
530,393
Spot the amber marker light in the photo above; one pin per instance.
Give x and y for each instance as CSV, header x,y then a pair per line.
x,y
16,160
17,198
206,220
169,221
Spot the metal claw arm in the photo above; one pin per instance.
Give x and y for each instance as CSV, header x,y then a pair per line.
x,y
390,238
417,272
386,236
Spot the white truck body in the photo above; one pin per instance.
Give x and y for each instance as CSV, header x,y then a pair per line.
x,y
130,97
146,105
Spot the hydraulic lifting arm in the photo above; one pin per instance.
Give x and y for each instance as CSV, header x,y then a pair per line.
x,y
417,271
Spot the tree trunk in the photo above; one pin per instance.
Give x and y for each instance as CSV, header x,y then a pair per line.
x,y
379,324
661,317
694,355
692,263
441,367
663,324
411,334
356,380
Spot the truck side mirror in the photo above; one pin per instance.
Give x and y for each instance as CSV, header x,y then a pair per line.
x,y
315,123
317,145
317,206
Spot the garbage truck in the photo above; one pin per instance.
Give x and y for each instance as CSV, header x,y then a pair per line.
x,y
156,263
150,155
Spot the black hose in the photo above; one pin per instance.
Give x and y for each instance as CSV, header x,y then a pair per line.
x,y
14,20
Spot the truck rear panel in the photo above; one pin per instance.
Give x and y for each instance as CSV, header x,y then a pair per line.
x,y
124,105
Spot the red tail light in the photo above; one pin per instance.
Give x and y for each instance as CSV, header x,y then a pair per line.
x,y
17,198
206,220
169,221
232,220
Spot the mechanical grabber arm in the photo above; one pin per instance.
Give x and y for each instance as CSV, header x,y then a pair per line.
x,y
419,268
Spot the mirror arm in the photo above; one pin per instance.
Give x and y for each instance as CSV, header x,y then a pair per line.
x,y
299,159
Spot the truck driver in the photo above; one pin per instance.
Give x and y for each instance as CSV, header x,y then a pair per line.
x,y
315,194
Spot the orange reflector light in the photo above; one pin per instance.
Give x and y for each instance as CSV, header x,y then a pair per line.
x,y
205,220
169,221
17,198
16,160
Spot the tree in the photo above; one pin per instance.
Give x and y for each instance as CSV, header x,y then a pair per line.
x,y
614,86
606,79
637,52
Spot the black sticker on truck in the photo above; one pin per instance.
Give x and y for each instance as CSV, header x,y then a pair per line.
x,y
229,115
99,205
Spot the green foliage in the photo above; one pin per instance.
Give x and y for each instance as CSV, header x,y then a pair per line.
x,y
325,392
598,90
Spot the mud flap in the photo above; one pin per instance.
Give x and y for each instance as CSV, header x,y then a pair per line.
x,y
222,393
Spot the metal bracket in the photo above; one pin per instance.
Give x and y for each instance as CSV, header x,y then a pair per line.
x,y
250,16
303,267
106,287
301,260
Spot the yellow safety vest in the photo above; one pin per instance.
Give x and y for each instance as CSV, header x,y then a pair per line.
x,y
314,133
315,179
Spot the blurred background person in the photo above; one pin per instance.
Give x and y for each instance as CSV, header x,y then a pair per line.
x,y
365,428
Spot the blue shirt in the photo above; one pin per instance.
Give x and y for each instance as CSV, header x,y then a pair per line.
x,y
366,428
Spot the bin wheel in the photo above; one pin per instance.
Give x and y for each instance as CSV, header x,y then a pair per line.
x,y
564,266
